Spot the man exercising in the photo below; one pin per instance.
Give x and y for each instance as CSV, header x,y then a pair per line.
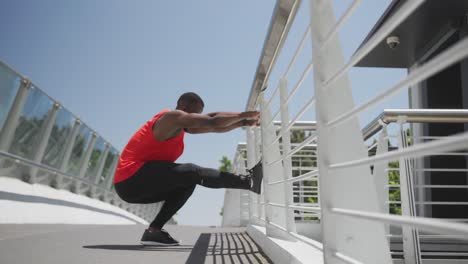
x,y
146,172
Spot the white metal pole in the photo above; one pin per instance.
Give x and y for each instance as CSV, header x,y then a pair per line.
x,y
250,163
381,174
411,245
286,144
275,217
243,194
363,241
380,171
261,197
263,131
8,131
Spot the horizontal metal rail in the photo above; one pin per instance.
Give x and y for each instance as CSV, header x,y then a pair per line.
x,y
281,21
275,92
427,224
349,11
454,142
415,116
305,208
296,149
442,170
304,75
431,203
442,186
447,58
298,50
275,115
51,99
303,177
300,125
300,113
403,12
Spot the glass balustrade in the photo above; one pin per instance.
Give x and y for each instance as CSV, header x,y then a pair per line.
x,y
55,152
31,124
9,84
111,158
49,136
82,141
96,155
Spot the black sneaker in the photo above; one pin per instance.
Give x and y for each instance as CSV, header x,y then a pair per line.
x,y
256,174
158,238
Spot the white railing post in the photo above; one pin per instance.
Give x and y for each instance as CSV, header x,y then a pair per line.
x,y
8,131
232,208
275,217
243,194
411,245
43,140
381,174
251,159
363,241
261,197
286,146
380,171
300,185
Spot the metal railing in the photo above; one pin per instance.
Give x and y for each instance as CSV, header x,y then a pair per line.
x,y
42,142
406,193
354,219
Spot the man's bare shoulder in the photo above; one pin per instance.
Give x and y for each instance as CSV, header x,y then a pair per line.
x,y
171,119
172,114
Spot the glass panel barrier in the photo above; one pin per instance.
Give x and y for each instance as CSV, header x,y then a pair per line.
x,y
9,84
81,144
93,163
32,117
113,155
26,142
56,146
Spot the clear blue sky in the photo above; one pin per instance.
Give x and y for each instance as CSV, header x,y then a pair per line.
x,y
115,63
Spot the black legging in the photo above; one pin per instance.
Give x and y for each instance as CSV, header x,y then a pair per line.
x,y
173,183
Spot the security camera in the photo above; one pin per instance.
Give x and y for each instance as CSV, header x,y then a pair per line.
x,y
393,42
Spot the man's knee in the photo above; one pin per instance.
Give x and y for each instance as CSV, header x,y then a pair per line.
x,y
190,167
189,170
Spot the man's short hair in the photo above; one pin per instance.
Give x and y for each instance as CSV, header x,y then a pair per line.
x,y
189,99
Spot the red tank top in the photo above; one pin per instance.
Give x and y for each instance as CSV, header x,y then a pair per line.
x,y
143,146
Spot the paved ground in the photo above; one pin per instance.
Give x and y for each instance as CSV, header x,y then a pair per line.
x,y
115,244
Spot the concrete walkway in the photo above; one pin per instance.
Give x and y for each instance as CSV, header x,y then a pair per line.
x,y
114,244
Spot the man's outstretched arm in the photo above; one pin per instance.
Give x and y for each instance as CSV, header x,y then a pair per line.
x,y
219,120
244,122
173,121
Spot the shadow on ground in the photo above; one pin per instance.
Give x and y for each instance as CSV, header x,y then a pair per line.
x,y
216,248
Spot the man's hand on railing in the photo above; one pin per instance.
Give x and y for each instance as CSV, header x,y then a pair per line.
x,y
250,115
251,122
